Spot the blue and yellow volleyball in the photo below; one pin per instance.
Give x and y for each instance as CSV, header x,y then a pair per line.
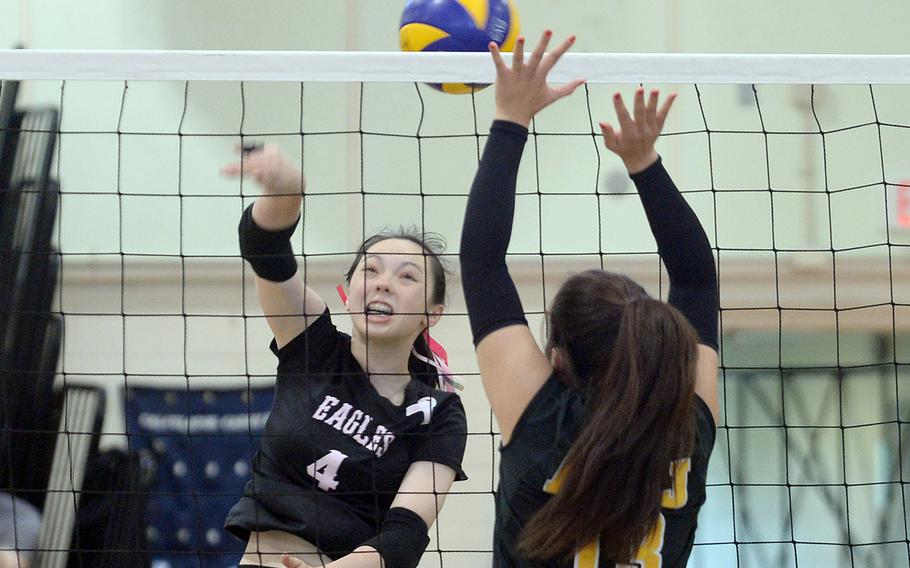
x,y
458,25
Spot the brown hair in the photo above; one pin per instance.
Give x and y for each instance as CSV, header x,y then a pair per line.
x,y
633,358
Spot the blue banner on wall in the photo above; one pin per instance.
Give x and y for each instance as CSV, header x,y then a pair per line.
x,y
200,444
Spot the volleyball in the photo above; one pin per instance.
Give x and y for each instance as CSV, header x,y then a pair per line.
x,y
458,25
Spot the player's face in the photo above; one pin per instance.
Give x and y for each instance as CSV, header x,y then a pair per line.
x,y
390,291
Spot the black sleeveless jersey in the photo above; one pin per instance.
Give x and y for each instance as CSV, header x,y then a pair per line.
x,y
530,463
334,451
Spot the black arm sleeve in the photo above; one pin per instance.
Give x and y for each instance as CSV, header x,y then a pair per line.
x,y
684,248
489,292
268,252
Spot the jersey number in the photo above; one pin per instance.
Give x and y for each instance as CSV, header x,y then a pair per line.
x,y
676,497
648,555
325,470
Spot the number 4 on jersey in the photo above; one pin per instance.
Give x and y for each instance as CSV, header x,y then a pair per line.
x,y
325,470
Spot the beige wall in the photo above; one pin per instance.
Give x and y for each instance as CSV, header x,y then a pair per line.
x,y
845,158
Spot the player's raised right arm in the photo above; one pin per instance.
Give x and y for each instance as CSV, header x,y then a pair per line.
x,y
512,366
265,231
681,240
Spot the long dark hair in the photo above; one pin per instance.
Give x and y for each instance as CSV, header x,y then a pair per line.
x,y
433,246
633,358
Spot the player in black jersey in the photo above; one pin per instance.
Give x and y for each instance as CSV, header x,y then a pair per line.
x,y
360,446
606,433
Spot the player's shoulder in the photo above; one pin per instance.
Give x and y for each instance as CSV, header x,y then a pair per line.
x,y
441,408
320,344
418,390
704,418
705,428
556,407
552,398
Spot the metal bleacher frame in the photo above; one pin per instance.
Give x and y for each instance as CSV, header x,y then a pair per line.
x,y
31,334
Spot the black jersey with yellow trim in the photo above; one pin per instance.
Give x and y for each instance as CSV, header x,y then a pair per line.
x,y
531,461
334,451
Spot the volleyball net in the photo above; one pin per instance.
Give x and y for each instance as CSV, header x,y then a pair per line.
x,y
797,166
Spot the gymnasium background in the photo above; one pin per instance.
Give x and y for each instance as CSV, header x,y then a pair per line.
x,y
778,363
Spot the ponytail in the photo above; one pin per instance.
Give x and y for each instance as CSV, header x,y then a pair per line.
x,y
638,398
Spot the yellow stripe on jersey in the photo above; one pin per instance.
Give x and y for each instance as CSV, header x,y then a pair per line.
x,y
416,37
479,10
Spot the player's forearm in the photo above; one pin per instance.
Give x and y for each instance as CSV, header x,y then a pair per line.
x,y
681,240
490,294
277,212
491,202
684,248
363,557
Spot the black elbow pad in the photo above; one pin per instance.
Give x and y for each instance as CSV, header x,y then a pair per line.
x,y
268,252
402,539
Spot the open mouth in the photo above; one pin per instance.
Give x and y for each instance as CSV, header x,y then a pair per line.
x,y
378,311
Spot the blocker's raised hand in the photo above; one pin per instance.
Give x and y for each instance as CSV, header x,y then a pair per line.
x,y
522,90
634,141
